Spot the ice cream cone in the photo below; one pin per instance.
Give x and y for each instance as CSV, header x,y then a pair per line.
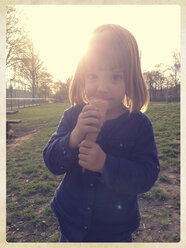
x,y
102,106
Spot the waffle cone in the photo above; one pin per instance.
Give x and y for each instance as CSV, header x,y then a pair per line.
x,y
102,106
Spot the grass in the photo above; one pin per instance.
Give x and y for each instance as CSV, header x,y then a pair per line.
x,y
30,186
165,194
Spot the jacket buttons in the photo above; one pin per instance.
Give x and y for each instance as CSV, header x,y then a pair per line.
x,y
63,149
89,209
85,227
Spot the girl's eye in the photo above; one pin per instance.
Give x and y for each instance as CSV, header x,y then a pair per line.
x,y
116,77
92,76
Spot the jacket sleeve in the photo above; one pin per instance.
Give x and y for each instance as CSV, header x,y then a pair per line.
x,y
137,175
57,155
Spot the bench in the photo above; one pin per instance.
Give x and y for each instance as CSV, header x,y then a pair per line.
x,y
8,122
10,112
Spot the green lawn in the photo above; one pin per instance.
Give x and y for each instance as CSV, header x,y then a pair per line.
x,y
30,186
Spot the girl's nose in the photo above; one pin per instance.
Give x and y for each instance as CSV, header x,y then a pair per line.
x,y
102,87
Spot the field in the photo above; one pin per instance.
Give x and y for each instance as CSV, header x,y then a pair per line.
x,y
30,186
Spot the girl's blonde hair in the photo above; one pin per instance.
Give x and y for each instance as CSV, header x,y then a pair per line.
x,y
118,48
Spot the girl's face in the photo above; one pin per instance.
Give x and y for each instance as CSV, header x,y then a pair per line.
x,y
104,71
106,84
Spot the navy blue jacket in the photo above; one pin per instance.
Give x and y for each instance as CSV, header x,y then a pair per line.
x,y
104,205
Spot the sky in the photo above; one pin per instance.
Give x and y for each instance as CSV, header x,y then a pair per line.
x,y
60,32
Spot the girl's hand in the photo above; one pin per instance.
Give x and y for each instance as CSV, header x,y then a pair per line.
x,y
91,156
89,121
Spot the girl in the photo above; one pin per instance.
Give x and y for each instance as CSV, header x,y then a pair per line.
x,y
99,204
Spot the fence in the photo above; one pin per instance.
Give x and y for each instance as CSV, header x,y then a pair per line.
x,y
16,103
15,93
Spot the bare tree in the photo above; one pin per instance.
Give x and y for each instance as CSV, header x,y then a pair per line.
x,y
15,37
155,82
61,90
22,58
29,66
45,83
176,70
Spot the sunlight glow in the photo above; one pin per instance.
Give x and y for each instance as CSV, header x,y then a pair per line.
x,y
60,32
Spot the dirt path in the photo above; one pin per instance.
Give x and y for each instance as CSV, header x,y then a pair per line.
x,y
15,142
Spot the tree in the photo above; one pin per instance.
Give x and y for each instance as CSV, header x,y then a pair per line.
x,y
29,66
62,93
15,37
175,68
164,84
61,90
156,82
45,83
22,58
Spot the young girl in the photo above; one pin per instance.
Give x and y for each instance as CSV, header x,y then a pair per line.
x,y
99,203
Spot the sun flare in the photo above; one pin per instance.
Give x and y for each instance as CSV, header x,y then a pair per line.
x,y
61,32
